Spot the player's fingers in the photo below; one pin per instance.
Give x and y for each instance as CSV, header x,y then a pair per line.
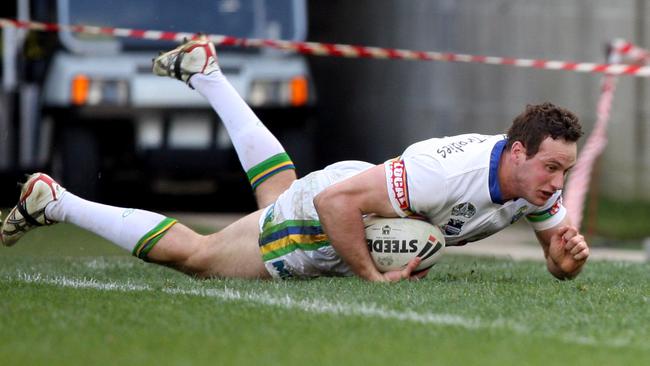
x,y
558,236
569,233
410,267
571,243
583,254
393,276
559,232
420,274
576,244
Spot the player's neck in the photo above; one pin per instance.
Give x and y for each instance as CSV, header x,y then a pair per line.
x,y
506,174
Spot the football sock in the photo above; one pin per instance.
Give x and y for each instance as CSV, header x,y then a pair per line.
x,y
259,151
137,231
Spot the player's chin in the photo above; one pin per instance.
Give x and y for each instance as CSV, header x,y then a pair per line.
x,y
541,198
536,200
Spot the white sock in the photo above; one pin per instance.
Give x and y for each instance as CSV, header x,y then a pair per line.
x,y
259,151
134,230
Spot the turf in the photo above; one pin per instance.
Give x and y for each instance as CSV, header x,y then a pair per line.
x,y
617,222
69,298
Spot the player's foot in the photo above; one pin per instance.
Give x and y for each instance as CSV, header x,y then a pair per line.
x,y
36,194
192,57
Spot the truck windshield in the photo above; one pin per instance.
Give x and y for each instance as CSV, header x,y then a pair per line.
x,y
241,18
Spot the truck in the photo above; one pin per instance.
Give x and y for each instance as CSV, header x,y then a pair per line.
x,y
87,108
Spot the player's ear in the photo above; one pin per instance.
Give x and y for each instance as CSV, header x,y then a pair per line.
x,y
518,151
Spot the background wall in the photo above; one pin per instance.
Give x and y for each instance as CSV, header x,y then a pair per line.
x,y
374,108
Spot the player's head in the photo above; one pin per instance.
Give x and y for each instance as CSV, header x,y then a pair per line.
x,y
542,147
540,121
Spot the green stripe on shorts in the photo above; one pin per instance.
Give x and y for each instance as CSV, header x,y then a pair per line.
x,y
293,247
285,224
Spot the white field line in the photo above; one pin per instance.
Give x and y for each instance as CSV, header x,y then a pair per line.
x,y
315,306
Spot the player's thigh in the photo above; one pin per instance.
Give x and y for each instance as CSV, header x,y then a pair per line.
x,y
267,192
234,251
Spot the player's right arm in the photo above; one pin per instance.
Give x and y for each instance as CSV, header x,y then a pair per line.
x,y
341,208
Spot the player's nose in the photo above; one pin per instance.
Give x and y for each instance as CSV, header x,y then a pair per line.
x,y
557,182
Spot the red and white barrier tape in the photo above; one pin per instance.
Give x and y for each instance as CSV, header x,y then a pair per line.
x,y
340,50
578,183
622,50
580,178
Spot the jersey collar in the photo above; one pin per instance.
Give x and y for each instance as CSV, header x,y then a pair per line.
x,y
493,180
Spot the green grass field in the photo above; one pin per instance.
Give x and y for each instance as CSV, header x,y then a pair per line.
x,y
622,224
69,298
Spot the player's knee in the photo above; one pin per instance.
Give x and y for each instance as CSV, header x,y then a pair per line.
x,y
199,260
269,191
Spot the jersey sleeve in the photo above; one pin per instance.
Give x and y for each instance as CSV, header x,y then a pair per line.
x,y
549,215
415,184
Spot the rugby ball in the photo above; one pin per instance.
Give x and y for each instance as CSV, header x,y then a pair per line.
x,y
393,242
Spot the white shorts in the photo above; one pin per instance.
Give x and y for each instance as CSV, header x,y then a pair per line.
x,y
292,241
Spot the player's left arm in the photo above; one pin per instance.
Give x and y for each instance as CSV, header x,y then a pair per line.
x,y
565,249
341,207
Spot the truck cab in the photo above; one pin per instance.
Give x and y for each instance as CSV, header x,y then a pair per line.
x,y
109,129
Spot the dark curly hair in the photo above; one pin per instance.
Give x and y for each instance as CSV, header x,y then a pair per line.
x,y
540,121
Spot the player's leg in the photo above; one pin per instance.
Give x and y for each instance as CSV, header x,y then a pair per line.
x,y
263,158
231,252
269,190
268,166
147,235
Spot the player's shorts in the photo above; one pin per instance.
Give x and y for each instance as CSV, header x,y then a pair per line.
x,y
292,241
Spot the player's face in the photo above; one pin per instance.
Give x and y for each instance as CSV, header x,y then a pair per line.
x,y
544,173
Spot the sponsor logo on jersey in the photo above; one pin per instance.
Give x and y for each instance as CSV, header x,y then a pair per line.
x,y
398,183
465,209
460,214
556,206
518,214
454,227
459,146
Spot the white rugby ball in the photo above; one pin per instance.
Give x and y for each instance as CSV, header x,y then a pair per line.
x,y
393,242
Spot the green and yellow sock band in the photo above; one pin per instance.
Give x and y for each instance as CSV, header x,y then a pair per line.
x,y
150,239
268,168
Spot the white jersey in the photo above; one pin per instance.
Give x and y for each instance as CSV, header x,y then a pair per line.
x,y
452,181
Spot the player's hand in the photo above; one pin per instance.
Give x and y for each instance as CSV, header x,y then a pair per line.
x,y
568,249
407,272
